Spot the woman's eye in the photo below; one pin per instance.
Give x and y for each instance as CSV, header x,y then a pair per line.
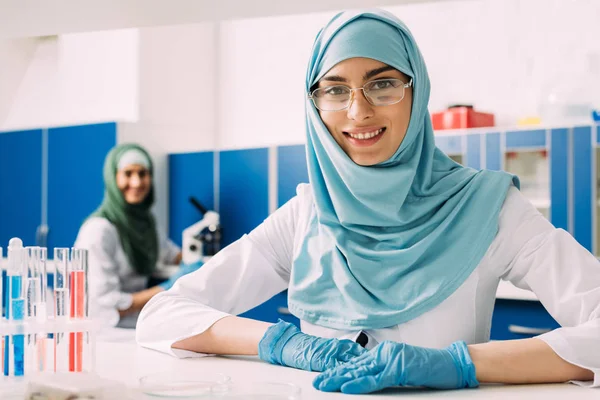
x,y
128,174
335,91
384,84
142,174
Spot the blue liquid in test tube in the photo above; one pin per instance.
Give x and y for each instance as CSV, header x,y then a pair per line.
x,y
18,314
15,307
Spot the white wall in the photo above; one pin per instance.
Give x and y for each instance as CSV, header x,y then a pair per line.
x,y
15,56
176,98
74,79
498,55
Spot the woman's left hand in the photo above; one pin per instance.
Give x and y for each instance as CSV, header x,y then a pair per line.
x,y
397,364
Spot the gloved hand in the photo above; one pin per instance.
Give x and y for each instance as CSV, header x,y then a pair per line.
x,y
284,344
397,364
184,269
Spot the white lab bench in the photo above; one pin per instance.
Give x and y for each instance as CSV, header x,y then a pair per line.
x,y
127,362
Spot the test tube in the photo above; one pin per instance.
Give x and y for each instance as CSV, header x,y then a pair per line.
x,y
79,307
61,311
16,307
36,308
41,358
36,265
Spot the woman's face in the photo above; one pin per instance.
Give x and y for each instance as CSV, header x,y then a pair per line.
x,y
354,127
134,182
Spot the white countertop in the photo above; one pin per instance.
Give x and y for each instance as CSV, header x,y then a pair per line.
x,y
127,362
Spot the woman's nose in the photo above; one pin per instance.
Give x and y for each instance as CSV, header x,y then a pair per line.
x,y
135,180
359,107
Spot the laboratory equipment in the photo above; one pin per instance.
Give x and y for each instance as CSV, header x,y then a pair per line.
x,y
61,304
183,384
14,346
461,116
260,391
78,341
202,239
67,386
33,341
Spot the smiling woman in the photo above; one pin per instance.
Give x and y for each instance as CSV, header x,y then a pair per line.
x,y
392,246
370,117
123,242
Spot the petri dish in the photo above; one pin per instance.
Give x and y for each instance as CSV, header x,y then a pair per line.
x,y
182,384
258,390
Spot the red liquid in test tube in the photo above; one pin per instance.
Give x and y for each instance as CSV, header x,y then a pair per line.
x,y
77,289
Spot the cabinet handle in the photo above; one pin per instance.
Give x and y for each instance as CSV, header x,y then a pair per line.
x,y
284,311
41,235
527,330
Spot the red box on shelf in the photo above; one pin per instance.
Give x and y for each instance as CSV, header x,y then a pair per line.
x,y
457,117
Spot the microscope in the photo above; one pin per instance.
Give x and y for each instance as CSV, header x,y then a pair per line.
x,y
203,239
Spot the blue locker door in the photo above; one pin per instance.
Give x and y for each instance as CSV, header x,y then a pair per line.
x,y
20,186
291,171
190,174
75,183
243,191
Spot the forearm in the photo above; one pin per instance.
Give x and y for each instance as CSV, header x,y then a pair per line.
x,y
140,299
522,361
229,335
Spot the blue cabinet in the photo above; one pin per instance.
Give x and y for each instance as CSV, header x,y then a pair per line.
x,y
243,191
272,310
72,159
519,319
20,185
291,171
190,175
75,183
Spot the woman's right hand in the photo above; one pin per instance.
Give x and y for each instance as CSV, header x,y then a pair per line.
x,y
284,344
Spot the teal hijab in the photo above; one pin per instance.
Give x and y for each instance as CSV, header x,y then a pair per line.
x,y
388,242
134,222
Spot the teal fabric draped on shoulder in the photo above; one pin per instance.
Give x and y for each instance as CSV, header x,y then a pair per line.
x,y
387,242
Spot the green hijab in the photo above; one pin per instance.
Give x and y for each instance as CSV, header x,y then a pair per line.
x,y
134,222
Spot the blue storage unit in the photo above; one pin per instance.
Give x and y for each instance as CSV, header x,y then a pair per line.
x,y
272,310
473,151
190,175
519,319
526,139
75,183
450,144
291,171
493,151
243,191
20,186
559,178
583,186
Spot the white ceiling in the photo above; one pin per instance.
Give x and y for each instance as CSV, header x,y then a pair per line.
x,y
21,18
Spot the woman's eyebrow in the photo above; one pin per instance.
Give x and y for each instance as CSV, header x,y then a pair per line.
x,y
368,74
333,78
377,71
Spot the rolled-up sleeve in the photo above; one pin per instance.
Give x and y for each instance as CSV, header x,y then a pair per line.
x,y
564,276
243,275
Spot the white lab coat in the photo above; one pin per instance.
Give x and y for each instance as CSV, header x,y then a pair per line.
x,y
112,279
527,251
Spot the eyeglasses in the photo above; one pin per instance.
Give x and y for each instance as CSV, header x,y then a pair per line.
x,y
380,92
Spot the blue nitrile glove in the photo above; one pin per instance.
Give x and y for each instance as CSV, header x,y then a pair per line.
x,y
184,269
284,344
398,364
